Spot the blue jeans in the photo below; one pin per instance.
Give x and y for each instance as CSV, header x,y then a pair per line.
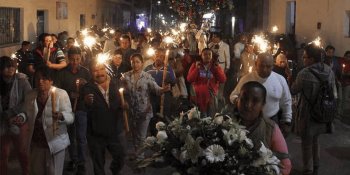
x,y
77,135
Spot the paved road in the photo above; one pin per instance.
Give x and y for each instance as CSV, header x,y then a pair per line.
x,y
335,156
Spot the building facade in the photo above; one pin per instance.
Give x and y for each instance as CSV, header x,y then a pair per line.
x,y
328,19
25,20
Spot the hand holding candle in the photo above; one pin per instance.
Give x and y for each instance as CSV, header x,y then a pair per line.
x,y
125,114
77,83
165,71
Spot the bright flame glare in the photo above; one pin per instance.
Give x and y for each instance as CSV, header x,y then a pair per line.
x,y
89,41
168,39
151,52
102,58
261,42
274,29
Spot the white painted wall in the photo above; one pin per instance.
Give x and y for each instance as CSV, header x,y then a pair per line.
x,y
29,19
331,13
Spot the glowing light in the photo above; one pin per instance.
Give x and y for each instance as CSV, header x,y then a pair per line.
x,y
111,31
151,52
89,41
208,15
183,27
121,90
261,42
149,30
84,32
102,58
317,41
13,56
104,29
250,69
274,29
174,32
76,44
168,39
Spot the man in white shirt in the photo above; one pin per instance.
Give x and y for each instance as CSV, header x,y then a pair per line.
x,y
222,50
278,93
239,46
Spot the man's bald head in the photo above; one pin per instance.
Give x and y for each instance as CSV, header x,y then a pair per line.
x,y
264,65
281,60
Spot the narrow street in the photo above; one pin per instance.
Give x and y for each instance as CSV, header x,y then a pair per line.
x,y
335,156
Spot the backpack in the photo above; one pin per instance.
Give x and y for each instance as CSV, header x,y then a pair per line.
x,y
324,107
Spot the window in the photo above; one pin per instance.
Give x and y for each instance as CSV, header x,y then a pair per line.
x,y
9,25
347,24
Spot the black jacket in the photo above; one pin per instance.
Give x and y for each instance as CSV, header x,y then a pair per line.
x,y
103,120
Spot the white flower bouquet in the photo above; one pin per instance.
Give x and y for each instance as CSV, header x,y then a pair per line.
x,y
216,145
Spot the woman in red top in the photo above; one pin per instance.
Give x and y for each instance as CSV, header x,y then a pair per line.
x,y
205,77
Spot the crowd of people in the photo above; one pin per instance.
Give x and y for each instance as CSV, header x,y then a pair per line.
x,y
60,96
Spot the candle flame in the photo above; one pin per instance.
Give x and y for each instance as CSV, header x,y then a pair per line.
x,y
174,32
84,32
104,29
53,89
317,41
77,82
76,44
250,69
261,42
343,65
112,31
168,39
89,41
121,90
183,27
151,52
274,29
102,58
149,30
13,56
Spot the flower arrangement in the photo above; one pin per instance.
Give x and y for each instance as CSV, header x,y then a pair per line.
x,y
218,145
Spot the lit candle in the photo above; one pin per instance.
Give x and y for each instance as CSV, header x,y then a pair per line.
x,y
165,71
151,51
77,83
343,70
53,103
125,114
274,29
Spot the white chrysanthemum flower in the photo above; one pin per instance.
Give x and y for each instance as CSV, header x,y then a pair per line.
x,y
267,158
206,120
242,135
215,153
161,136
249,142
160,126
231,136
194,113
183,156
218,120
150,141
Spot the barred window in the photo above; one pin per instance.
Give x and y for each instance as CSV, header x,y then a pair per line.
x,y
9,25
